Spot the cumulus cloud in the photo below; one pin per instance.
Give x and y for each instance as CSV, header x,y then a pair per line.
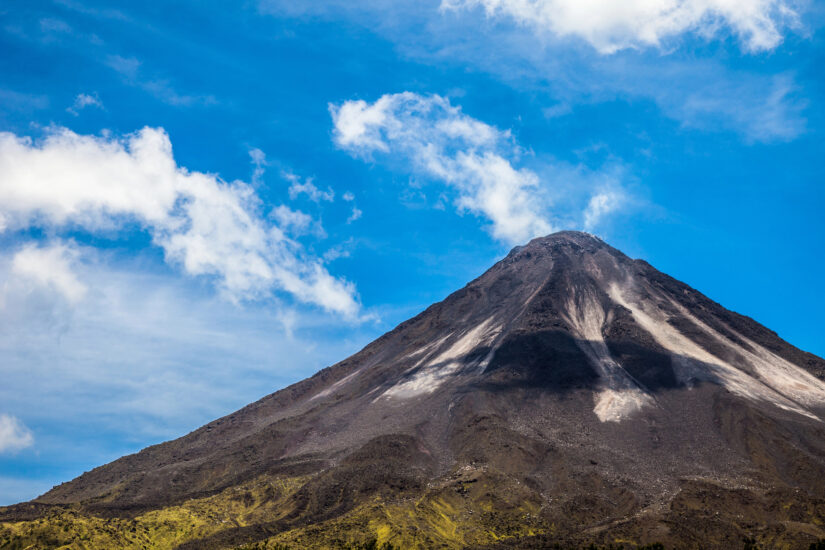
x,y
49,267
205,225
600,205
443,143
610,26
14,436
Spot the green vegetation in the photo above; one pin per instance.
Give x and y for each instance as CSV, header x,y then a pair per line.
x,y
451,516
464,511
68,527
456,515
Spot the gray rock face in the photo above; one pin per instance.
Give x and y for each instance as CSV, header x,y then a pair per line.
x,y
597,381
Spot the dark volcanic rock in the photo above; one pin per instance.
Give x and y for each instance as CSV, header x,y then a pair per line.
x,y
614,394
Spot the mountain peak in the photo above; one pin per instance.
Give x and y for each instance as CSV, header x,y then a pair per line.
x,y
567,242
567,369
567,235
560,237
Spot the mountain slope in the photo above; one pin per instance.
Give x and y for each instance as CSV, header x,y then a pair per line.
x,y
568,394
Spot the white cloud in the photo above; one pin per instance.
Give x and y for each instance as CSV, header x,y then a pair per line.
x,y
308,188
258,159
82,101
14,436
715,93
600,205
341,251
145,357
207,226
766,111
49,267
443,143
356,214
609,25
128,67
297,223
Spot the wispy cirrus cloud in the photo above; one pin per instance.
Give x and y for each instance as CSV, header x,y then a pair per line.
x,y
11,100
149,344
130,70
769,109
206,226
57,26
143,356
298,187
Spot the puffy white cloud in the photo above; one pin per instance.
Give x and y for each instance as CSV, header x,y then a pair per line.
x,y
445,144
207,226
48,267
600,205
359,124
609,25
14,436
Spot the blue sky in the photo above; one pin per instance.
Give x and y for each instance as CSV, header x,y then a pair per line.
x,y
202,203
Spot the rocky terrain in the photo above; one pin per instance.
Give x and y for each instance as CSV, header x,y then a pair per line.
x,y
569,396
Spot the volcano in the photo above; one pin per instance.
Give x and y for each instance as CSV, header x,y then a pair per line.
x,y
570,395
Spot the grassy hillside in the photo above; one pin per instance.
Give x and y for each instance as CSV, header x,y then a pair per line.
x,y
454,515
